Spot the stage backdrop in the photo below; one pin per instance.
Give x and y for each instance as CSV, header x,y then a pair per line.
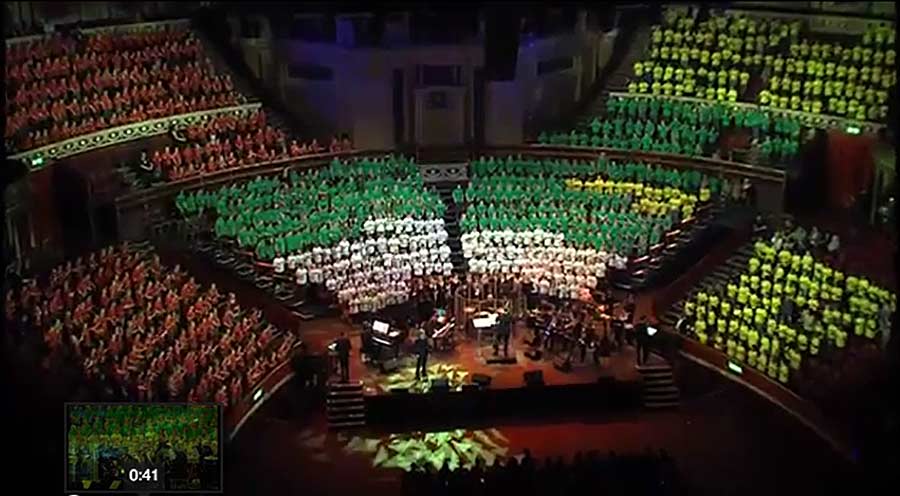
x,y
850,167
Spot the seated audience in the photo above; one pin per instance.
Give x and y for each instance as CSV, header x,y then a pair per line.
x,y
786,307
231,141
559,225
717,59
853,80
66,85
150,332
366,229
711,59
690,128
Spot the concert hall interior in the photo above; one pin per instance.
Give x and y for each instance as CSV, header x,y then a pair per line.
x,y
276,248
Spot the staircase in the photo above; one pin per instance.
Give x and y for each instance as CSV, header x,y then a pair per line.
x,y
728,271
618,72
158,223
243,84
642,272
211,51
658,384
451,223
638,46
345,406
225,257
228,60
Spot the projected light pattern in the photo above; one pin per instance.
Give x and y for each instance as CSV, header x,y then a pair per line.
x,y
405,378
458,449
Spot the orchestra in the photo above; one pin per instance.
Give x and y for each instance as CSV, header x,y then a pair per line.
x,y
577,326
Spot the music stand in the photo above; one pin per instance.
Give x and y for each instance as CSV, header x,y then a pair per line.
x,y
484,321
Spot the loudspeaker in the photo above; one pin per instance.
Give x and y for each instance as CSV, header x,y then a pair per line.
x,y
534,378
534,354
440,385
482,380
501,46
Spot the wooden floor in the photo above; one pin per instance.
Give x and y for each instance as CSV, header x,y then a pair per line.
x,y
465,358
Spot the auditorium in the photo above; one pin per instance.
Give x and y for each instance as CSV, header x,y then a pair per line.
x,y
414,248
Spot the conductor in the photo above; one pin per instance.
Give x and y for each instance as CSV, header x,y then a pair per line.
x,y
504,329
343,352
421,349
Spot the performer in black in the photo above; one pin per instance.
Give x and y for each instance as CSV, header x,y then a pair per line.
x,y
630,307
587,341
642,338
602,351
368,348
343,353
421,349
504,329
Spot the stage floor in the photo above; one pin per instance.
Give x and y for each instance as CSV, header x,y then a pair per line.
x,y
458,366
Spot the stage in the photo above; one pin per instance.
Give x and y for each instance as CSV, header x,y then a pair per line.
x,y
395,396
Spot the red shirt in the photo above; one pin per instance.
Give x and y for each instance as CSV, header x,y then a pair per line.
x,y
190,365
222,397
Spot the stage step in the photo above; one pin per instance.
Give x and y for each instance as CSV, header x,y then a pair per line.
x,y
347,425
659,388
658,396
658,378
746,250
345,406
670,319
344,386
335,412
339,401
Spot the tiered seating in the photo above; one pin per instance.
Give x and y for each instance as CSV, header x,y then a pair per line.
x,y
784,308
711,59
367,228
715,59
559,224
70,85
648,125
691,128
228,142
148,331
851,80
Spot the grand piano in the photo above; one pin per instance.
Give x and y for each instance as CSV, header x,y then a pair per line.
x,y
385,340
